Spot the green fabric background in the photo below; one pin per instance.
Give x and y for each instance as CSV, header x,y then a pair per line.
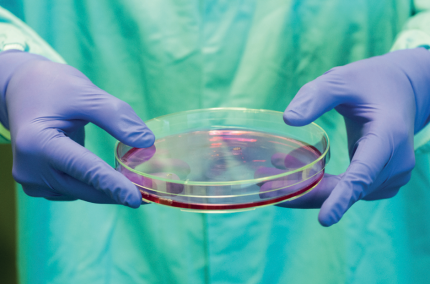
x,y
167,56
7,217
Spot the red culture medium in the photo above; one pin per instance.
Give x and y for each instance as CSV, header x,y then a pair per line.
x,y
226,156
196,206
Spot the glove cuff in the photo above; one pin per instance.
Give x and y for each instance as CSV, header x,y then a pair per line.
x,y
10,61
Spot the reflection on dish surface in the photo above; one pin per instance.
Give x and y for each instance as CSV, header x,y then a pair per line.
x,y
222,169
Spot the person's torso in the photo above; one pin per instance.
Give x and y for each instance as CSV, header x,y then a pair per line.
x,y
168,56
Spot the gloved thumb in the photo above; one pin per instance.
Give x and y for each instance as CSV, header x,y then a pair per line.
x,y
85,102
316,197
369,159
118,119
313,100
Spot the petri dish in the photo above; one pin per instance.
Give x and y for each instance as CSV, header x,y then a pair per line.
x,y
225,160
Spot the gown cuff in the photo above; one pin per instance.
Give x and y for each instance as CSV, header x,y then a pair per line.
x,y
4,134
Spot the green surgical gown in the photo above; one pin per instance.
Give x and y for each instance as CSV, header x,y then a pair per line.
x,y
165,56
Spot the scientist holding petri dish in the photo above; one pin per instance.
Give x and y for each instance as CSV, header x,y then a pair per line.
x,y
359,64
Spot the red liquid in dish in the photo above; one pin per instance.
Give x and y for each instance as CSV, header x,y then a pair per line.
x,y
213,156
196,206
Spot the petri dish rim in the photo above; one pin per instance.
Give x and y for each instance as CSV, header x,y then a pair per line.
x,y
223,183
226,196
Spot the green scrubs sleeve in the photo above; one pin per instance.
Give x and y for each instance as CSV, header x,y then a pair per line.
x,y
415,33
14,34
4,134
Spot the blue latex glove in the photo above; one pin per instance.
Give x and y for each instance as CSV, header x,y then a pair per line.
x,y
384,101
46,106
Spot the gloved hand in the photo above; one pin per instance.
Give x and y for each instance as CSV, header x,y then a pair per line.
x,y
46,106
384,101
294,183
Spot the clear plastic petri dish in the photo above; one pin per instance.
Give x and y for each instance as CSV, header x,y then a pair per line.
x,y
225,160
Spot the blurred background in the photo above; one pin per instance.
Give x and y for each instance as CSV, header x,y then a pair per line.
x,y
8,272
7,218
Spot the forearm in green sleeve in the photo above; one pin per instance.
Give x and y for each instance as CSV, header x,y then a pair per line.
x,y
15,34
415,33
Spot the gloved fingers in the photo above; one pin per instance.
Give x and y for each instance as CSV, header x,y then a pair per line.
x,y
360,179
293,160
288,185
61,198
71,190
278,160
279,187
382,194
390,188
67,156
47,193
261,172
155,183
316,197
80,101
177,167
313,100
117,118
167,187
75,189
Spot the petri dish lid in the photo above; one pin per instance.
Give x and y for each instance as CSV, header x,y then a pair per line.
x,y
225,160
